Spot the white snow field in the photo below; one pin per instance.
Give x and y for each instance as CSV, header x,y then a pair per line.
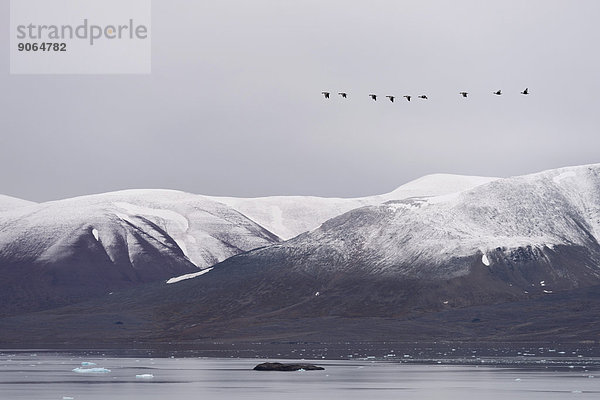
x,y
10,203
289,216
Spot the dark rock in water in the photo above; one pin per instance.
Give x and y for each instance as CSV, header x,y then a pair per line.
x,y
286,367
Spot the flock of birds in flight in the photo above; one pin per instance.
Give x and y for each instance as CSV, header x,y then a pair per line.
x,y
408,97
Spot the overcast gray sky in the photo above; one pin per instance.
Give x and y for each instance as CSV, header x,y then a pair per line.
x,y
233,105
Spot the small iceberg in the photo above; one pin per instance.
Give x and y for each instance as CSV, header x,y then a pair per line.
x,y
87,364
144,376
91,370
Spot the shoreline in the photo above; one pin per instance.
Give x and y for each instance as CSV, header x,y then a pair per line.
x,y
573,355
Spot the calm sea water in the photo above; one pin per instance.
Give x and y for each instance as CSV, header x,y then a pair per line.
x,y
31,376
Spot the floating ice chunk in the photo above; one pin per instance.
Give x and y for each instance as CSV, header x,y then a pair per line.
x,y
91,370
144,376
68,398
485,260
318,293
96,234
548,291
542,283
87,364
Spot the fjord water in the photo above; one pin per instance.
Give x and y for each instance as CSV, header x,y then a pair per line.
x,y
30,376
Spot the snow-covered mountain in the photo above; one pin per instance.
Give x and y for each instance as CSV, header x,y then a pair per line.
x,y
289,216
205,231
68,249
10,203
421,236
136,236
507,240
374,270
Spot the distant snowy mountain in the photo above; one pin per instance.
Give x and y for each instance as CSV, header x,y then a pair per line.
x,y
530,216
10,203
289,216
441,254
93,244
205,231
136,236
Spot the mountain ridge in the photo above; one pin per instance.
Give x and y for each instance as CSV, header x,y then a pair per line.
x,y
410,263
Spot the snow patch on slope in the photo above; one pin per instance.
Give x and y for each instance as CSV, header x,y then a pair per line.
x,y
188,276
564,175
485,260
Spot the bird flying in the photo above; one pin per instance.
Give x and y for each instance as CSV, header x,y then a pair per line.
x,y
464,94
343,94
391,98
498,93
407,97
526,91
326,94
424,97
373,96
